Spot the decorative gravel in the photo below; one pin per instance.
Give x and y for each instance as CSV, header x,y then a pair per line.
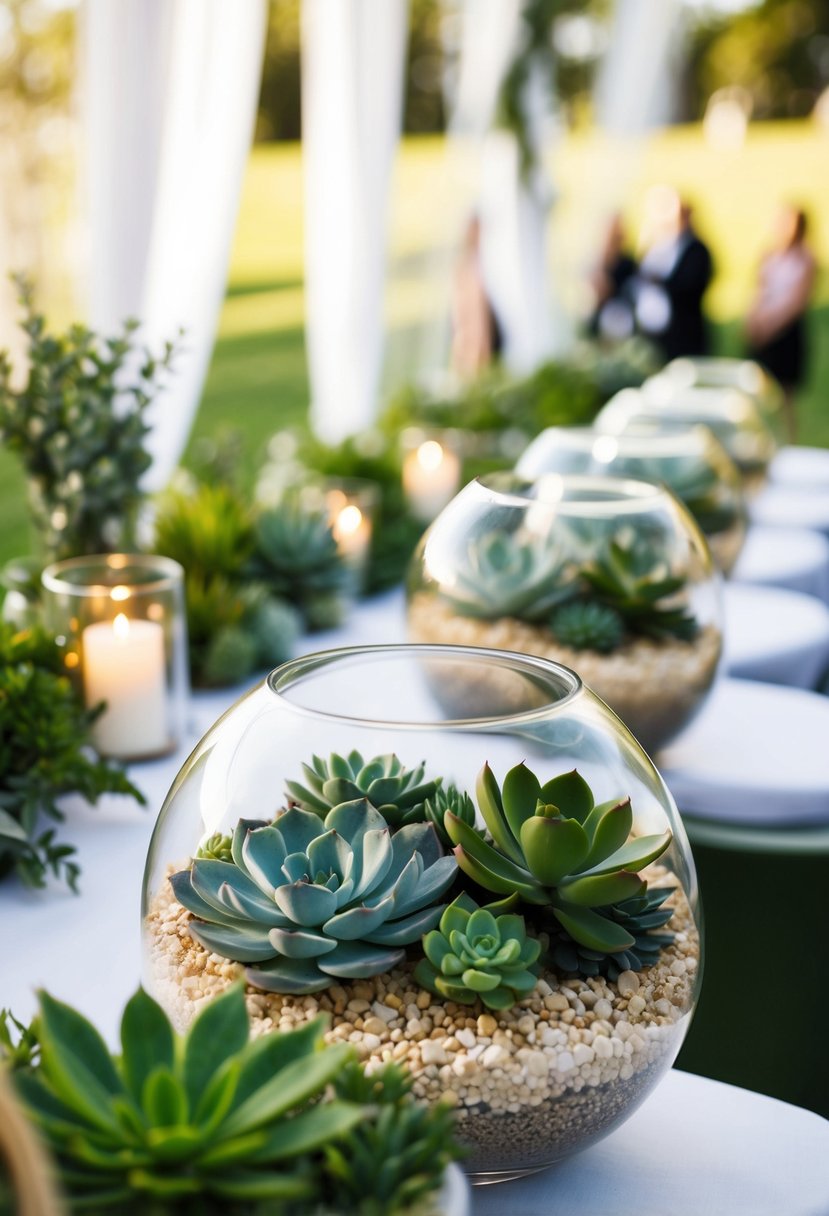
x,y
654,686
529,1084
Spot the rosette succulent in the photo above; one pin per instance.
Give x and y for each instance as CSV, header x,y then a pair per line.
x,y
554,847
504,575
449,798
633,582
296,554
397,792
479,954
307,903
587,625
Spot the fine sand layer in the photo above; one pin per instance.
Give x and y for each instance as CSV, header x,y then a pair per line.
x,y
529,1085
654,686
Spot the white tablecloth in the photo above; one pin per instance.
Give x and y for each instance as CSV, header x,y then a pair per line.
x,y
757,754
781,637
791,506
800,467
794,559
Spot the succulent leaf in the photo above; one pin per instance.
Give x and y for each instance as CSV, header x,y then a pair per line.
x,y
474,954
588,625
398,793
311,901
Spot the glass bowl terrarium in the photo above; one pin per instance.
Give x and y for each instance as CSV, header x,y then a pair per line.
x,y
611,577
504,901
732,415
709,371
689,461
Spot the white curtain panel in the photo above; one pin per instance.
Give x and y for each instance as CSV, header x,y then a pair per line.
x,y
169,101
352,86
514,208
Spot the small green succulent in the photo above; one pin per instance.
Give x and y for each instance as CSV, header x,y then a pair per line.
x,y
588,625
395,1158
217,848
504,575
308,903
212,1119
296,555
554,847
636,584
479,954
448,798
639,916
397,792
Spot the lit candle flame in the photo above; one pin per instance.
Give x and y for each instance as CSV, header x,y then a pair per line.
x,y
121,626
120,593
349,520
430,455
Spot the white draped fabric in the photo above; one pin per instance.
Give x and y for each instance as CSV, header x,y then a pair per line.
x,y
169,100
514,209
352,88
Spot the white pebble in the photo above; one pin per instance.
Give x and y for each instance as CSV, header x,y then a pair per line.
x,y
603,1047
628,983
565,1061
432,1052
493,1056
537,1064
465,1036
603,1008
384,1012
582,1054
636,1004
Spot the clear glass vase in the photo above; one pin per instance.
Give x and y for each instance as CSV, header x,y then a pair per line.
x,y
716,371
732,415
689,461
611,577
532,1083
120,621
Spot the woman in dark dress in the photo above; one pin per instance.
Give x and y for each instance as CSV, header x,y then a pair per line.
x,y
776,322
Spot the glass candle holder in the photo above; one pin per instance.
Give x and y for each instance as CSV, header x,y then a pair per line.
x,y
121,623
351,505
431,472
689,461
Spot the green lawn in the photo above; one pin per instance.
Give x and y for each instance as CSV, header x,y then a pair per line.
x,y
258,381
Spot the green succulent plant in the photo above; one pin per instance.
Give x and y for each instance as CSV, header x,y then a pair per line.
x,y
296,555
588,625
217,848
206,528
639,916
212,1119
479,954
630,579
554,847
393,1160
397,792
448,798
504,575
309,903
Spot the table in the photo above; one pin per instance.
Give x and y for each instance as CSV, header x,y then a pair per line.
x,y
796,465
794,559
781,637
791,506
694,1148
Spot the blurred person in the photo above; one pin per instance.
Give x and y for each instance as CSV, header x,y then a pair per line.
x,y
776,321
611,282
476,334
673,277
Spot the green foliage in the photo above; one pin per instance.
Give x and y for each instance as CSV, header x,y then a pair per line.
x,y
479,954
634,582
79,427
217,848
44,732
308,903
19,1044
587,625
376,458
504,575
184,1124
556,849
235,625
397,792
639,917
394,1160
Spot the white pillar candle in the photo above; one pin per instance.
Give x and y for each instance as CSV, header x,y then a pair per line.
x,y
352,532
123,664
431,477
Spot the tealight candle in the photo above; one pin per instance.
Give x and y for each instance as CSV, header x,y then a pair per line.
x,y
123,665
349,514
431,478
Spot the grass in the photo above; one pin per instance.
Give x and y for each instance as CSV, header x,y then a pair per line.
x,y
258,380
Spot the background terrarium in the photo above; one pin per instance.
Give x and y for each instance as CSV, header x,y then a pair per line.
x,y
714,371
610,577
733,416
689,461
505,903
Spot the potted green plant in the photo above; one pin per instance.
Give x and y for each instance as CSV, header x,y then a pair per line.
x,y
522,939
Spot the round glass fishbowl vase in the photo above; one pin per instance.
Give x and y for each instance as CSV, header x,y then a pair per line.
x,y
344,781
710,371
689,461
734,418
611,577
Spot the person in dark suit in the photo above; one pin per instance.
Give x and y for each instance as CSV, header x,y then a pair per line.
x,y
673,278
